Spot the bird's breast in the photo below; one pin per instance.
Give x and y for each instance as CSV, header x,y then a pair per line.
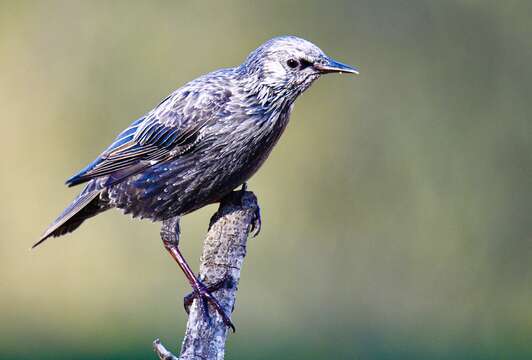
x,y
227,156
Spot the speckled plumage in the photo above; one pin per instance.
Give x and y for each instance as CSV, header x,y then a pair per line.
x,y
202,141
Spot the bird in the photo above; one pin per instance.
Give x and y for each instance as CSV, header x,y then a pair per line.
x,y
198,144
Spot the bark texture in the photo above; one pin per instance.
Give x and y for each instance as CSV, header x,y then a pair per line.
x,y
224,250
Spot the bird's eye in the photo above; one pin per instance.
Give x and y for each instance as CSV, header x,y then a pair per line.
x,y
292,63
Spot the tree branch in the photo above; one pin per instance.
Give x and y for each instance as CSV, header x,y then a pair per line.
x,y
224,250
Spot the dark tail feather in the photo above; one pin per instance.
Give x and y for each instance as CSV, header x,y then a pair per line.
x,y
86,205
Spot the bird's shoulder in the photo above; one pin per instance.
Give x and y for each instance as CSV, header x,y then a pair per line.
x,y
197,100
168,130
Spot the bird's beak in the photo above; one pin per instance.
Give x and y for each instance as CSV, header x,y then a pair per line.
x,y
333,66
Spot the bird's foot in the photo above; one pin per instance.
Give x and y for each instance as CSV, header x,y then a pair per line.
x,y
256,223
204,295
240,198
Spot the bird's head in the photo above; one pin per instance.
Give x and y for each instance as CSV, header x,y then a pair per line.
x,y
288,65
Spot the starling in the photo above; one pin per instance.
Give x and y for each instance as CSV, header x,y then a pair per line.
x,y
198,144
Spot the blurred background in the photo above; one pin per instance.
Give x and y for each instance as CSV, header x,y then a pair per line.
x,y
396,207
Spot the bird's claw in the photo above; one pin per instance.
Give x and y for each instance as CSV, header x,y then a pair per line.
x,y
189,298
256,222
204,295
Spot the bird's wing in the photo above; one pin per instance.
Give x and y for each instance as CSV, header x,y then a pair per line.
x,y
169,130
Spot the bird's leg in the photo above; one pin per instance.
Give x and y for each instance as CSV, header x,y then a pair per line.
x,y
170,232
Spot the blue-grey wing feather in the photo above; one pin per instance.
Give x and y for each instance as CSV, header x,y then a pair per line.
x,y
167,131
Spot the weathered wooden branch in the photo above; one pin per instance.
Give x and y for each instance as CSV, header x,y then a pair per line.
x,y
224,250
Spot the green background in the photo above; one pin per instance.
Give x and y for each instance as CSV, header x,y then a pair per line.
x,y
396,207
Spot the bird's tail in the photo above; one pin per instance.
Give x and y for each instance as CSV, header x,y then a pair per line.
x,y
86,205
